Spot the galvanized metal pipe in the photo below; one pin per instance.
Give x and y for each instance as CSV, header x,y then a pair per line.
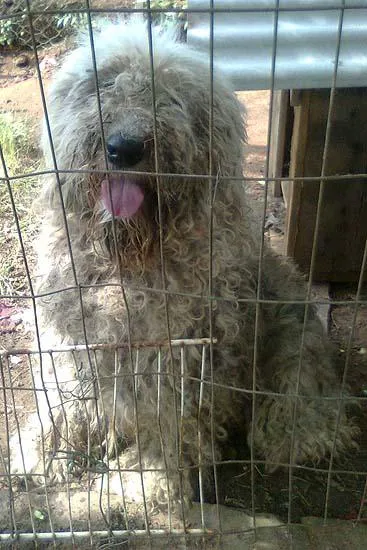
x,y
306,43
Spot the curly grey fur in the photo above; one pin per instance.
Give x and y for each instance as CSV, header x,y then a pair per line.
x,y
89,404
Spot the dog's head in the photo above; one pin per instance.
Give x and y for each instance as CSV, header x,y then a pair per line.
x,y
151,114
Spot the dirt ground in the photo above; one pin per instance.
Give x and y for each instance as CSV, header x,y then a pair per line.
x,y
19,93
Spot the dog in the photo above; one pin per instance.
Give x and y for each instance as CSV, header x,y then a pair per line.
x,y
147,237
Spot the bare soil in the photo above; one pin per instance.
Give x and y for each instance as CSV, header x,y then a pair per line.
x,y
19,92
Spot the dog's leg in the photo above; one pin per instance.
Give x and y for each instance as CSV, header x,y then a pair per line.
x,y
305,414
166,435
151,470
138,476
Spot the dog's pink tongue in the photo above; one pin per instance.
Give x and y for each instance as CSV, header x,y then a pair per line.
x,y
121,197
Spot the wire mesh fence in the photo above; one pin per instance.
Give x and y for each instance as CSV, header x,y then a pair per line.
x,y
149,344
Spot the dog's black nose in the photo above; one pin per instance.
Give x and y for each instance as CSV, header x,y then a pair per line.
x,y
122,151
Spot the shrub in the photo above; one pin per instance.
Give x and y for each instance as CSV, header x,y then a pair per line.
x,y
164,19
15,31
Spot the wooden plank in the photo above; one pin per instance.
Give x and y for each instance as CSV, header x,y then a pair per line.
x,y
343,223
278,137
292,191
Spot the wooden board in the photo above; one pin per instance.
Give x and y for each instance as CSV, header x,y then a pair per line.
x,y
343,212
281,128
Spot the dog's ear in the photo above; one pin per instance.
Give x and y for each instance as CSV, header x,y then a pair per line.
x,y
66,96
227,123
187,84
71,89
61,87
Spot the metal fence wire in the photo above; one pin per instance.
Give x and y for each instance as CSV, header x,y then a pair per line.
x,y
60,388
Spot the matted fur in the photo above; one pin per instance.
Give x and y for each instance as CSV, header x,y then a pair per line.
x,y
88,405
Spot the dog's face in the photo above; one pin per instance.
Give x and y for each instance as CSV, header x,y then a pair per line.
x,y
138,124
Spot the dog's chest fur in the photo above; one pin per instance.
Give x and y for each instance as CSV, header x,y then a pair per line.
x,y
115,302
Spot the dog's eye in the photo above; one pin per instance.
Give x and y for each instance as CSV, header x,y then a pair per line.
x,y
109,84
169,100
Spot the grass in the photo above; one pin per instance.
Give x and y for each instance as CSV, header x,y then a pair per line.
x,y
169,17
17,141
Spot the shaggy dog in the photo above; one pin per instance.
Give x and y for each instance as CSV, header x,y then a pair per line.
x,y
129,257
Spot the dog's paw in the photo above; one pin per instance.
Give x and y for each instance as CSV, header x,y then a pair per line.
x,y
25,458
128,485
287,432
153,487
133,485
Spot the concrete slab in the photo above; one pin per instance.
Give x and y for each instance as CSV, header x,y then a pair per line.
x,y
335,534
235,529
85,514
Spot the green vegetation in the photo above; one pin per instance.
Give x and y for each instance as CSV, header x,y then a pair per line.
x,y
15,32
178,18
16,138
